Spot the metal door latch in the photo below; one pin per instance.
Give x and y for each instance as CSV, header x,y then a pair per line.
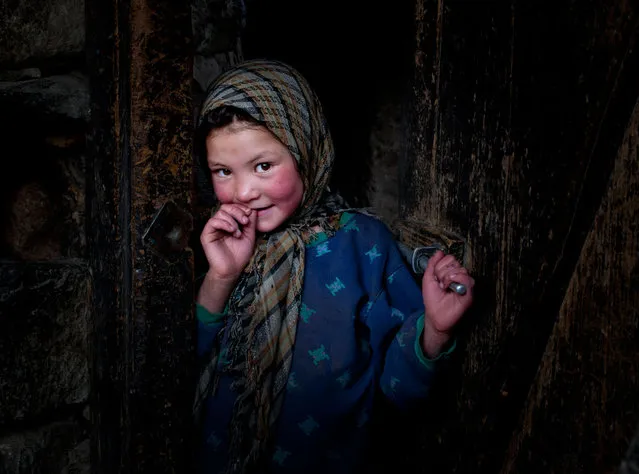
x,y
418,259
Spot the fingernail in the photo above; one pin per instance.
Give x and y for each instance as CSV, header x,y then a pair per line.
x,y
441,285
245,220
453,275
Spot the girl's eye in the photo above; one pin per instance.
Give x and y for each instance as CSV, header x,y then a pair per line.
x,y
261,167
222,172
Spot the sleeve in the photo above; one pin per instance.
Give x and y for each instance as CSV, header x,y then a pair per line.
x,y
396,320
208,326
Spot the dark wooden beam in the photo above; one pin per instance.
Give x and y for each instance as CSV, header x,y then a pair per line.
x,y
139,158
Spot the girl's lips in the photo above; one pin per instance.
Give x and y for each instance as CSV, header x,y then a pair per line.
x,y
263,210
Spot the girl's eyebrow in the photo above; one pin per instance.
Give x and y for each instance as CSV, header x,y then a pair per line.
x,y
260,156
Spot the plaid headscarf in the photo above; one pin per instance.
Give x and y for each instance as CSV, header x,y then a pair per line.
x,y
264,307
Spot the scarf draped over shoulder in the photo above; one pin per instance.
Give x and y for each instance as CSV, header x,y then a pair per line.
x,y
263,310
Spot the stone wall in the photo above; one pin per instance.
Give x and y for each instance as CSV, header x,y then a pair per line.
x,y
44,279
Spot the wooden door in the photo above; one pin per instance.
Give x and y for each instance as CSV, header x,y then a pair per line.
x,y
523,138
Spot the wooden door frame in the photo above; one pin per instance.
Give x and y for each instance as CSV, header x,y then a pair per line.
x,y
139,157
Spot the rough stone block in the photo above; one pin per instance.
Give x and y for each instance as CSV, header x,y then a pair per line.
x,y
35,29
43,338
52,98
59,447
44,217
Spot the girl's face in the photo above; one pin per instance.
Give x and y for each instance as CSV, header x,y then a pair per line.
x,y
250,166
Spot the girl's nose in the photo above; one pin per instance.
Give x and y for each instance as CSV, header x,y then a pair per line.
x,y
246,191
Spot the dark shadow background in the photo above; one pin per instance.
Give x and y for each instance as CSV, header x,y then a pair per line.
x,y
354,54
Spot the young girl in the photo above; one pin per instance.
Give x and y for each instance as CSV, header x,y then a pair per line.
x,y
307,309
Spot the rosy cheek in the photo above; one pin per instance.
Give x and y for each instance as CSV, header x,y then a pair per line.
x,y
224,193
288,185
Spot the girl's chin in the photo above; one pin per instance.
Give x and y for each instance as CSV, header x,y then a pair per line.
x,y
268,223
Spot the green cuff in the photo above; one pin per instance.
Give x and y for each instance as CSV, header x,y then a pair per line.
x,y
206,317
419,351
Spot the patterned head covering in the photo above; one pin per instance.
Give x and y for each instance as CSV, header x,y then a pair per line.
x,y
264,307
279,97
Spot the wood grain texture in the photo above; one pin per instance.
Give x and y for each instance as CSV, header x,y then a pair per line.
x,y
140,145
585,398
517,114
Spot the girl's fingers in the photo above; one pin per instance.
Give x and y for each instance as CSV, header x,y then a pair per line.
x,y
457,275
238,212
217,226
237,216
433,263
225,216
243,207
249,228
449,261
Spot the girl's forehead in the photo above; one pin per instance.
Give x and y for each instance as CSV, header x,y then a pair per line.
x,y
244,145
236,126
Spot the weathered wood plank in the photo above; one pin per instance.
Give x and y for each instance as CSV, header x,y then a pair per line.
x,y
518,111
585,397
141,145
161,346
